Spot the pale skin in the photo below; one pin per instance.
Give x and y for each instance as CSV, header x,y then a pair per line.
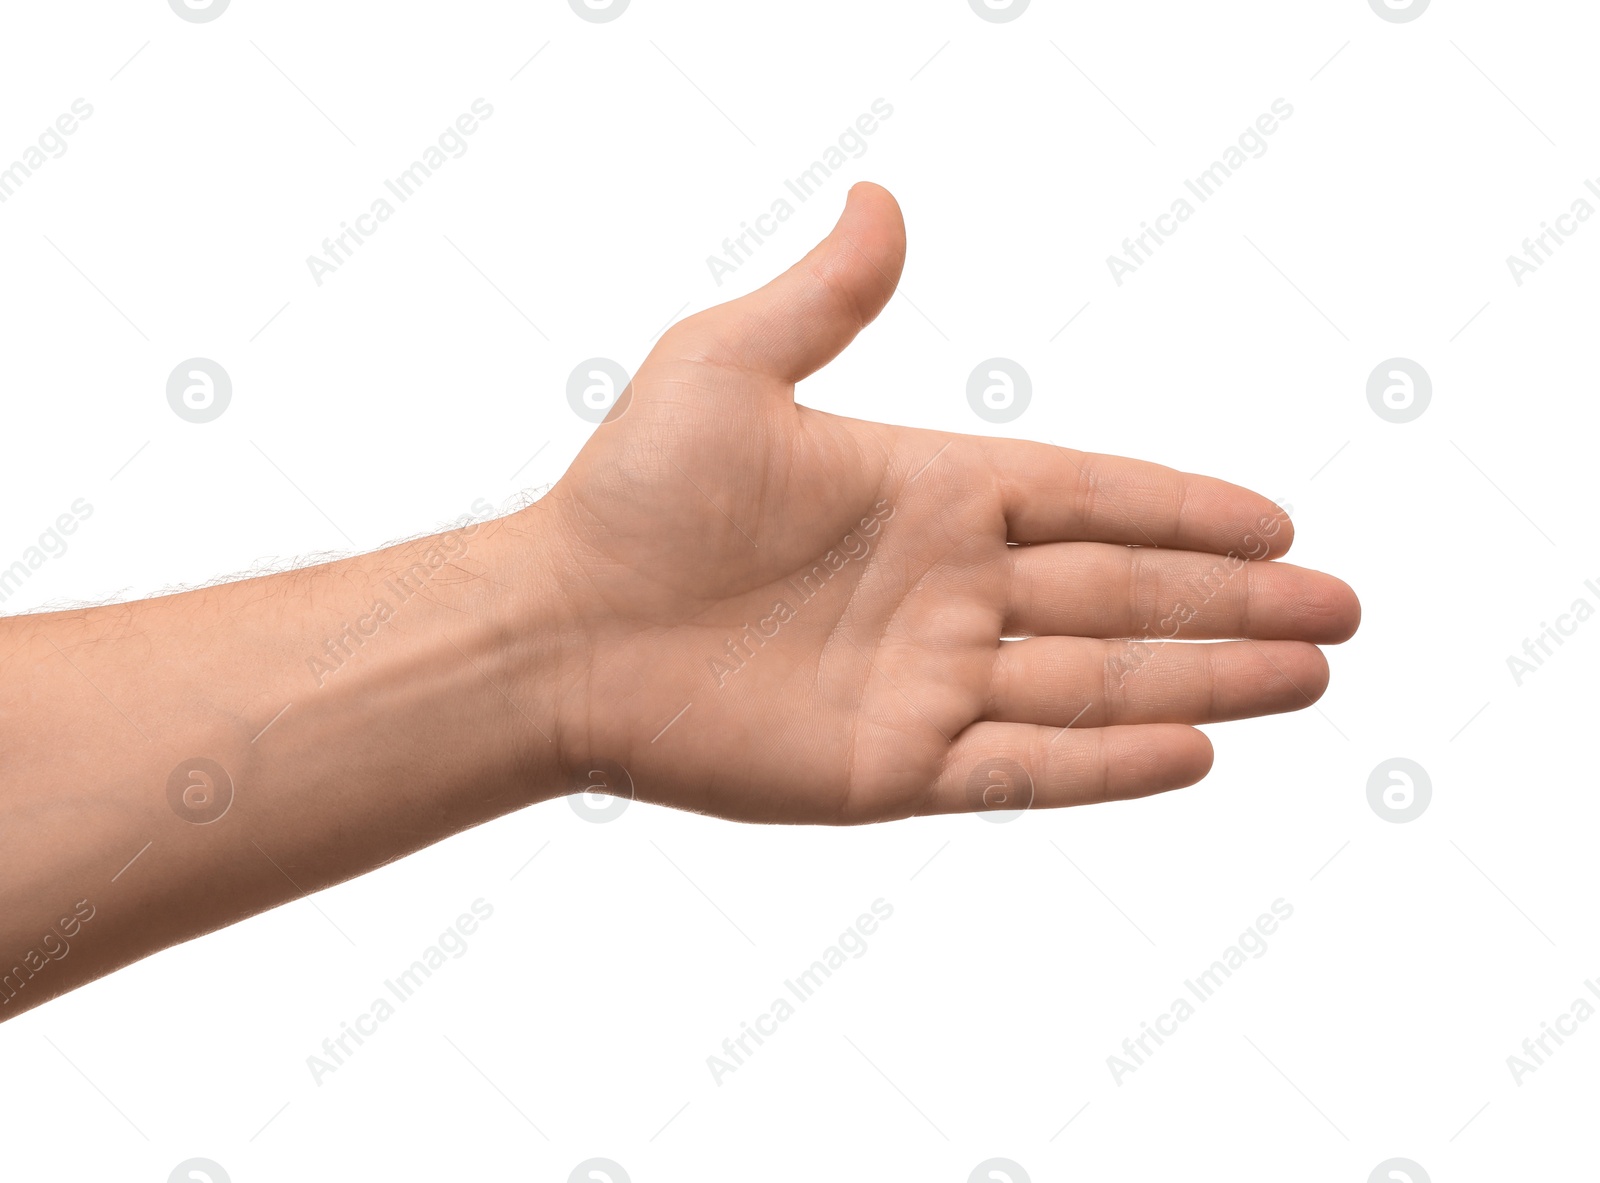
x,y
593,627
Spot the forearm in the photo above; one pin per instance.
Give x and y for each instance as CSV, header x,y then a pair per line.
x,y
358,711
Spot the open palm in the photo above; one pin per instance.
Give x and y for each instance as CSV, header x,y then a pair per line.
x,y
792,616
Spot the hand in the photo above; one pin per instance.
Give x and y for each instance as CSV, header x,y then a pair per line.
x,y
789,616
757,610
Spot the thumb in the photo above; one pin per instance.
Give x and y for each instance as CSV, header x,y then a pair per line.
x,y
802,320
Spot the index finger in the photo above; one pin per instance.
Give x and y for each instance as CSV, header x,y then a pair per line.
x,y
1052,494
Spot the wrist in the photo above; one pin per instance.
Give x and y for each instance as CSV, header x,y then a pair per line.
x,y
564,654
529,645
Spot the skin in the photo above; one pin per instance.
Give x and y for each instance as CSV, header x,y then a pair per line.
x,y
584,642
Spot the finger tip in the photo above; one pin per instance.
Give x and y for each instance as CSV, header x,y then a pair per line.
x,y
873,221
1199,757
1344,613
1314,675
1268,531
1282,539
865,188
1355,612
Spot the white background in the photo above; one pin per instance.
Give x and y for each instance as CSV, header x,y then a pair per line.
x,y
426,371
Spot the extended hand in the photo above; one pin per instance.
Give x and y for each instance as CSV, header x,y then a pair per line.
x,y
790,616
